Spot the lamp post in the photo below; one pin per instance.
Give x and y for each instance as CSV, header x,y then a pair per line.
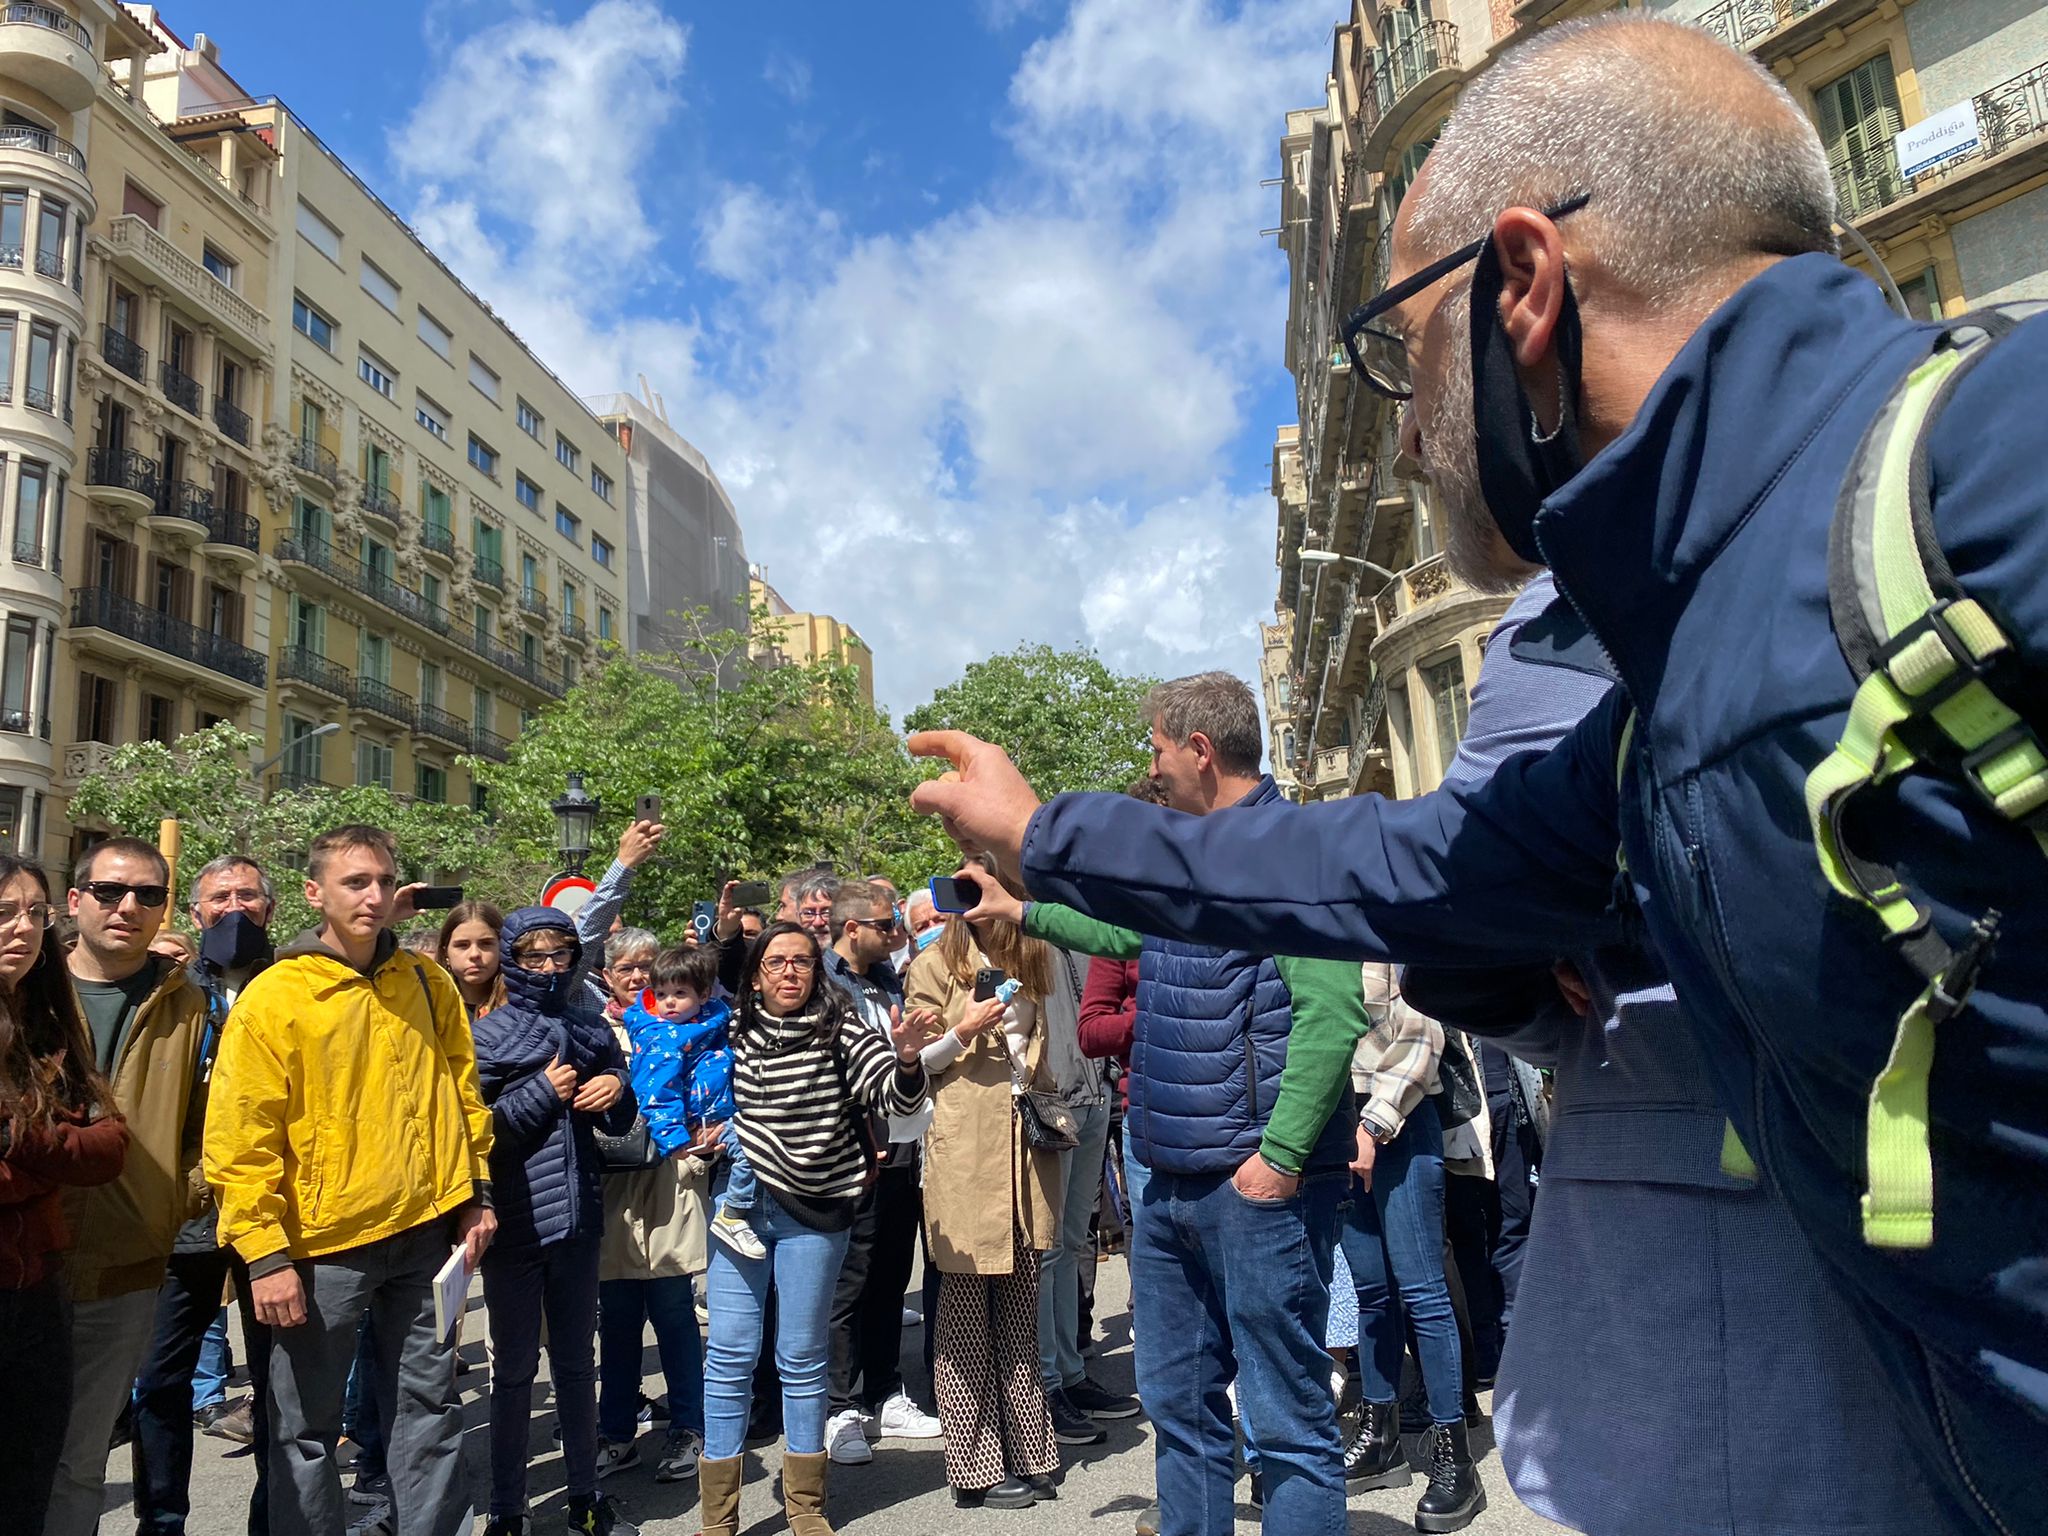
x,y
575,820
1331,557
290,748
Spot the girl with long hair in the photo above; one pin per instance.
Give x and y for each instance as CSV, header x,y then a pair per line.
x,y
469,948
58,1128
990,1199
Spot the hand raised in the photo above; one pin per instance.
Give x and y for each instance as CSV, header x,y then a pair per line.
x,y
983,801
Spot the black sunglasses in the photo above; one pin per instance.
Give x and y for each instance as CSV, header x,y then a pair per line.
x,y
109,893
1380,357
880,924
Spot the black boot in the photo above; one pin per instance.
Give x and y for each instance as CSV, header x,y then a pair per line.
x,y
1454,1496
1373,1459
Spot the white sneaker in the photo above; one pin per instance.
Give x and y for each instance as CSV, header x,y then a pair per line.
x,y
912,1318
902,1419
738,1236
844,1442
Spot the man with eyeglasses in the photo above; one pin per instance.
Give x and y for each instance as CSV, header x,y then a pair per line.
x,y
232,902
1634,357
866,1378
148,1024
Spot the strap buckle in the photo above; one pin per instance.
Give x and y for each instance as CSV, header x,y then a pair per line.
x,y
1968,669
2018,734
1949,992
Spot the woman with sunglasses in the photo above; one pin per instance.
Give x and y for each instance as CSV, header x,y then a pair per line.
x,y
58,1128
808,1073
468,946
552,1073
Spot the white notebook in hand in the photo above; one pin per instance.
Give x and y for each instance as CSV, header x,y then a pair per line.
x,y
451,1293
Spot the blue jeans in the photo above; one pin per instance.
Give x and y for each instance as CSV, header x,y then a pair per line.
x,y
1236,1288
805,1264
1394,1243
742,1192
625,1308
359,1419
1059,1272
210,1375
522,1286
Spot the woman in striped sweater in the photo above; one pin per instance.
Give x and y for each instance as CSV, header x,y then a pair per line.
x,y
808,1074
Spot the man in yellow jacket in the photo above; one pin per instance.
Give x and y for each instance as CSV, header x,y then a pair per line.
x,y
347,1143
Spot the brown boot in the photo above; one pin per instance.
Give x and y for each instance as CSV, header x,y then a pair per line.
x,y
803,1495
718,1487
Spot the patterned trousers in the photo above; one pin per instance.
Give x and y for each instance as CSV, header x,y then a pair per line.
x,y
991,1398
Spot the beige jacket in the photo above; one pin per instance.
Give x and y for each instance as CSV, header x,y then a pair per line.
x,y
656,1220
976,1147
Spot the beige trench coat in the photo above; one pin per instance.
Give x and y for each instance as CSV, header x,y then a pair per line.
x,y
976,1149
656,1220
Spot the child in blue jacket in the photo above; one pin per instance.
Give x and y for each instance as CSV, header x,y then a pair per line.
x,y
682,1075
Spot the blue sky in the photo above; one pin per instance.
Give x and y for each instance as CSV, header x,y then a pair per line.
x,y
964,299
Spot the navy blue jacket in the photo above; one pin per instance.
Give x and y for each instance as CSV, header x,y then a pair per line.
x,y
545,1172
1696,548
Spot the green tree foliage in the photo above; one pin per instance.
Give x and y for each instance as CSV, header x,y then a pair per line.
x,y
1067,720
203,780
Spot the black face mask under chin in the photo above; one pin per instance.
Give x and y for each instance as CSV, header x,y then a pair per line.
x,y
1518,466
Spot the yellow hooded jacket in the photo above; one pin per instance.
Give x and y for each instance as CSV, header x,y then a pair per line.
x,y
344,1106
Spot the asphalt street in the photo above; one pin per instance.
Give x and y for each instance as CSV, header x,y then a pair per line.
x,y
902,1493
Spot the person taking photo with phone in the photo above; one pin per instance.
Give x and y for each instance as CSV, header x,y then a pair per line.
x,y
348,1144
990,1203
60,1129
148,1025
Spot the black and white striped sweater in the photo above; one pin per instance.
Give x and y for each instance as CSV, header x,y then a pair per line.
x,y
799,1109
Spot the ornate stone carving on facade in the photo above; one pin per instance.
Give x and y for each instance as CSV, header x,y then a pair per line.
x,y
374,428
304,383
274,474
1428,581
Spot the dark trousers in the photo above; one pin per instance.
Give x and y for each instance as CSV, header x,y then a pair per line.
x,y
186,1306
555,1282
1472,1223
35,1410
866,1337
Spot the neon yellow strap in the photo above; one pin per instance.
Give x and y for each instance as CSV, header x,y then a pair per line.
x,y
1898,1206
1735,1159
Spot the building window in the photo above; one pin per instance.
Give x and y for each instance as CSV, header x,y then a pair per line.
x,y
139,203
159,719
227,273
306,623
28,512
481,715
6,359
1922,294
50,238
527,492
568,525
431,784
436,335
480,375
601,483
601,550
529,421
529,575
373,658
568,600
566,454
13,226
301,761
98,700
480,800
41,393
376,373
431,416
319,234
430,591
309,520
378,286
433,506
224,612
311,324
374,764
483,455
1858,116
1445,681
529,648
430,684
14,679
604,622
377,560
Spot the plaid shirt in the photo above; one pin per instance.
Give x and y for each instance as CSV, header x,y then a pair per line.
x,y
1394,1067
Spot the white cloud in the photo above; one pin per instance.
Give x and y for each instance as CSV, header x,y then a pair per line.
x,y
1019,420
789,76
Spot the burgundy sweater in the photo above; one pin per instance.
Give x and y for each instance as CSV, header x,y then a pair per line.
x,y
34,1169
1109,1014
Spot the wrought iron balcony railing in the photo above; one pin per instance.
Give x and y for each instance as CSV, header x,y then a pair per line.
x,y
123,469
303,664
232,420
315,460
180,388
381,698
122,352
438,722
98,608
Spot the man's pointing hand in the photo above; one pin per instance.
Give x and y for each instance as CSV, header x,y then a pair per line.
x,y
984,801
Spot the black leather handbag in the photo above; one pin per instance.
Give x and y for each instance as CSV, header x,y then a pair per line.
x,y
630,1151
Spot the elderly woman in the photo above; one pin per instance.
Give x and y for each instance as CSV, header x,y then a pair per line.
x,y
655,1236
989,1199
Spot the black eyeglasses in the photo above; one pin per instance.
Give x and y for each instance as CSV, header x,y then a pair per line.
x,y
1380,357
110,893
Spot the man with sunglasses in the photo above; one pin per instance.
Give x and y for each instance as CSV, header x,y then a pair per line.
x,y
148,1024
1649,371
866,1337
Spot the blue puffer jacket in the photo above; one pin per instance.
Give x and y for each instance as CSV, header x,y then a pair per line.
x,y
545,1171
1696,548
682,1070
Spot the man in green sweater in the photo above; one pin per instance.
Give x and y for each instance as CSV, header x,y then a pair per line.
x,y
1241,1111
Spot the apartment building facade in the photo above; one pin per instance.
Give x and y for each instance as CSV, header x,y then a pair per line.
x,y
1935,118
788,636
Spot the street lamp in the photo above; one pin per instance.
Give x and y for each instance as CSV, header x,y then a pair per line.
x,y
575,820
1331,557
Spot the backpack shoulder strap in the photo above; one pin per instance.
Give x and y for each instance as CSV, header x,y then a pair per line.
x,y
1929,661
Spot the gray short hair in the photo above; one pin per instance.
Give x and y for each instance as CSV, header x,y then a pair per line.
x,y
817,883
626,943
1220,707
228,861
1692,154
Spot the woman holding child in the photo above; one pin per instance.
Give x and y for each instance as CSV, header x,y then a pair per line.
x,y
807,1073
